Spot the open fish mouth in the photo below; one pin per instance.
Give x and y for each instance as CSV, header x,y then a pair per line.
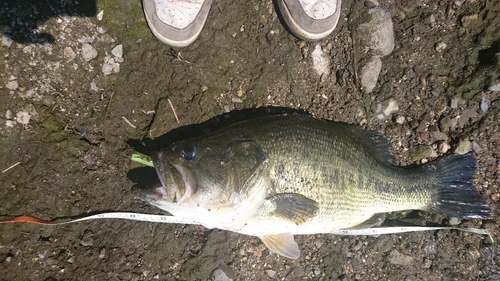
x,y
176,183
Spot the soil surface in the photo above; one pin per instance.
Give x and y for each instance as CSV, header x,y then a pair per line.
x,y
74,108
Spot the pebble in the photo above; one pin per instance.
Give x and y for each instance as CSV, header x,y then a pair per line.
x,y
396,257
69,53
110,65
223,273
23,117
100,15
102,30
463,146
271,273
386,109
378,32
88,52
468,20
12,85
454,221
383,244
445,124
369,74
484,104
6,40
422,153
454,103
494,87
93,87
439,136
117,51
444,147
400,119
10,123
321,63
440,46
477,149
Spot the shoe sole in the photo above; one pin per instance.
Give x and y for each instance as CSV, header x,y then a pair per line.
x,y
170,35
303,26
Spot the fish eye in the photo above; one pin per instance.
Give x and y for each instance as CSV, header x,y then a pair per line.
x,y
188,152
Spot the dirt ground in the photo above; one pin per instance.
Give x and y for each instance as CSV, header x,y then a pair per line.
x,y
72,121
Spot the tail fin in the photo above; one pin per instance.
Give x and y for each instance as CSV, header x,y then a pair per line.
x,y
457,196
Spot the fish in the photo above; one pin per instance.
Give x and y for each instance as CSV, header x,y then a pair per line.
x,y
275,177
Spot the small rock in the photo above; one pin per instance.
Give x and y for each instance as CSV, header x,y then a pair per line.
x,y
468,20
383,244
432,19
465,116
369,74
477,149
400,119
440,46
271,273
386,109
454,103
8,114
396,257
88,52
422,153
102,253
10,123
454,221
110,66
23,117
6,40
223,273
100,15
427,263
318,243
439,136
484,104
12,85
444,147
321,62
69,53
445,124
378,33
118,51
494,87
101,30
93,87
463,146
236,100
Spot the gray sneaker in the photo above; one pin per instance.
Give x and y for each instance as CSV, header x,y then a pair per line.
x,y
176,22
310,19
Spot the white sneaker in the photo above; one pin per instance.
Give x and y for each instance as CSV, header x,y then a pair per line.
x,y
310,19
176,22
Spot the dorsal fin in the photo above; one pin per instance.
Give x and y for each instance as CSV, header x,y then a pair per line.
x,y
375,143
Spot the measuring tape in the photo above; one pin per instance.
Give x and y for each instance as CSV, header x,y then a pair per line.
x,y
180,220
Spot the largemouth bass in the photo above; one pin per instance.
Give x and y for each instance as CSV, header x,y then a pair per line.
x,y
274,177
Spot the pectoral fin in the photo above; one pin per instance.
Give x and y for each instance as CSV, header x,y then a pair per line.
x,y
282,244
293,207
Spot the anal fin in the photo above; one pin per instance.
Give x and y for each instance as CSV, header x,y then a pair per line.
x,y
282,244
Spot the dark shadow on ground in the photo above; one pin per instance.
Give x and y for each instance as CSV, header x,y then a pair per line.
x,y
20,19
